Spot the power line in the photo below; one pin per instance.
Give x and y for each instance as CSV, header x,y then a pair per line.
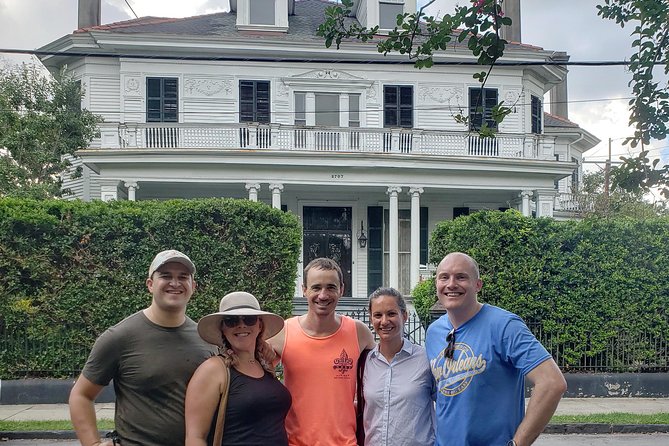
x,y
133,11
299,59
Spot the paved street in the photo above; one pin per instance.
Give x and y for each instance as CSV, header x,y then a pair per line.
x,y
544,440
604,440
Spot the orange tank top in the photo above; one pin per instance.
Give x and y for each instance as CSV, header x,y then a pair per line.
x,y
320,374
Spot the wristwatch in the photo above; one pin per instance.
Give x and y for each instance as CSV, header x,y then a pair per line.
x,y
511,443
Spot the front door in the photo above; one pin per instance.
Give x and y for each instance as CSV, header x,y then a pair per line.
x,y
327,233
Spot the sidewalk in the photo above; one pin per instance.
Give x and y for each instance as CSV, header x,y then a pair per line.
x,y
568,406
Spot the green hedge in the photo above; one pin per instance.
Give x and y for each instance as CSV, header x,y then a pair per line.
x,y
584,281
69,270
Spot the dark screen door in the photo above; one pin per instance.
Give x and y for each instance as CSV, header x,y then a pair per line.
x,y
327,233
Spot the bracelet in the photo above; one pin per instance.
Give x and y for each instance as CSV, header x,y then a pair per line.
x,y
511,442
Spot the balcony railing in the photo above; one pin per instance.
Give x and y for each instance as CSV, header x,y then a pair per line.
x,y
573,203
320,139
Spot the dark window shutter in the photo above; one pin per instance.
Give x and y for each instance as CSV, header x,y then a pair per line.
x,y
162,99
254,101
423,235
374,248
398,106
480,108
460,211
537,113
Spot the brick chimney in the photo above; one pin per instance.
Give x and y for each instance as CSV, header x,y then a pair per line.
x,y
511,9
89,13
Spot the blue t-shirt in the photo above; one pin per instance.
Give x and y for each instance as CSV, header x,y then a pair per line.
x,y
480,392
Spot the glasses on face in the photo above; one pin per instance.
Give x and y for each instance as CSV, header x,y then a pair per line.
x,y
450,348
233,321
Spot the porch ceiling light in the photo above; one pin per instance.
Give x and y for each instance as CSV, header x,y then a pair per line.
x,y
362,238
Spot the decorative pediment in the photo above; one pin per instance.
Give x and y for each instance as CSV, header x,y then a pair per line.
x,y
325,74
327,79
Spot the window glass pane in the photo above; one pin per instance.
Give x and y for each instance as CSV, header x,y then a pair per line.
x,y
354,107
327,109
406,96
388,13
153,87
262,12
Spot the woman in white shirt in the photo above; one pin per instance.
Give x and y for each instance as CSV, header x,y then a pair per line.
x,y
398,387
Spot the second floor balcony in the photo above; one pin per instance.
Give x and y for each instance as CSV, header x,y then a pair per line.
x,y
278,137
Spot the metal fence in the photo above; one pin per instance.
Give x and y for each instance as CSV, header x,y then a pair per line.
x,y
40,358
626,352
642,352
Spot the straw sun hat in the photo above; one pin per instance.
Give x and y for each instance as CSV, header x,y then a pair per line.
x,y
237,303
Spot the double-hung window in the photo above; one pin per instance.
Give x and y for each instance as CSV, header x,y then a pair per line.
x,y
262,12
388,13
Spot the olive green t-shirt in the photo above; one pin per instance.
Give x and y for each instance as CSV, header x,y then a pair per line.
x,y
150,366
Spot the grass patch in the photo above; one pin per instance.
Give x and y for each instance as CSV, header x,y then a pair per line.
x,y
606,418
49,425
612,418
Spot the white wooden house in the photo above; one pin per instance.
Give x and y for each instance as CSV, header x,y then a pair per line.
x,y
250,104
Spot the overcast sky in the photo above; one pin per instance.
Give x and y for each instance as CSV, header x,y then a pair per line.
x,y
598,95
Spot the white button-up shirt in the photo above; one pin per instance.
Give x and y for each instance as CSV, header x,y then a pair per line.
x,y
399,408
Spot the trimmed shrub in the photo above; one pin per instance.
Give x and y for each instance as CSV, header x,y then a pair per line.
x,y
69,269
585,282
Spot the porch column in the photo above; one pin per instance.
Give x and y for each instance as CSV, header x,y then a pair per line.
x,y
545,202
132,189
253,189
276,189
394,236
525,196
414,193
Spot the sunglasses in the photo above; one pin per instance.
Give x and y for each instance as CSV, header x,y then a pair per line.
x,y
450,348
233,321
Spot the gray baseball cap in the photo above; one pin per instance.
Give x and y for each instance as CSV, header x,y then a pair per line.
x,y
171,255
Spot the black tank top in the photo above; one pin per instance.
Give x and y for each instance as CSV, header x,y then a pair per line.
x,y
256,411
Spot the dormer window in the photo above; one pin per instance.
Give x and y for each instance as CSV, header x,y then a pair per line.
x,y
388,13
262,12
262,15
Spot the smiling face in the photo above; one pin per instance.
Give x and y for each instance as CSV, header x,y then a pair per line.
x,y
242,337
387,318
171,286
322,289
458,283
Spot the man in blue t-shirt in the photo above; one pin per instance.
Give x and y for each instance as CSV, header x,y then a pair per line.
x,y
480,356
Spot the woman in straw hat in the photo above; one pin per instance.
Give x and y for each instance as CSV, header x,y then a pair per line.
x,y
257,402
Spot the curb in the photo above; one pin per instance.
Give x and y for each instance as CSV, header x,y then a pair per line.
x,y
41,435
603,428
563,429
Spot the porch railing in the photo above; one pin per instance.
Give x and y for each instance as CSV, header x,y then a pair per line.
x,y
319,139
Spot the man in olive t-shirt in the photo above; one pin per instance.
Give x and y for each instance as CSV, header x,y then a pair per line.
x,y
150,356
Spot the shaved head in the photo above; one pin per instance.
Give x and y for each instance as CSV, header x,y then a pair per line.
x,y
469,259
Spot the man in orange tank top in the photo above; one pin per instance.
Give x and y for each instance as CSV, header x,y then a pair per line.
x,y
319,352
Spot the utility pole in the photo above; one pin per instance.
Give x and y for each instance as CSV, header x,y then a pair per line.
x,y
607,175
